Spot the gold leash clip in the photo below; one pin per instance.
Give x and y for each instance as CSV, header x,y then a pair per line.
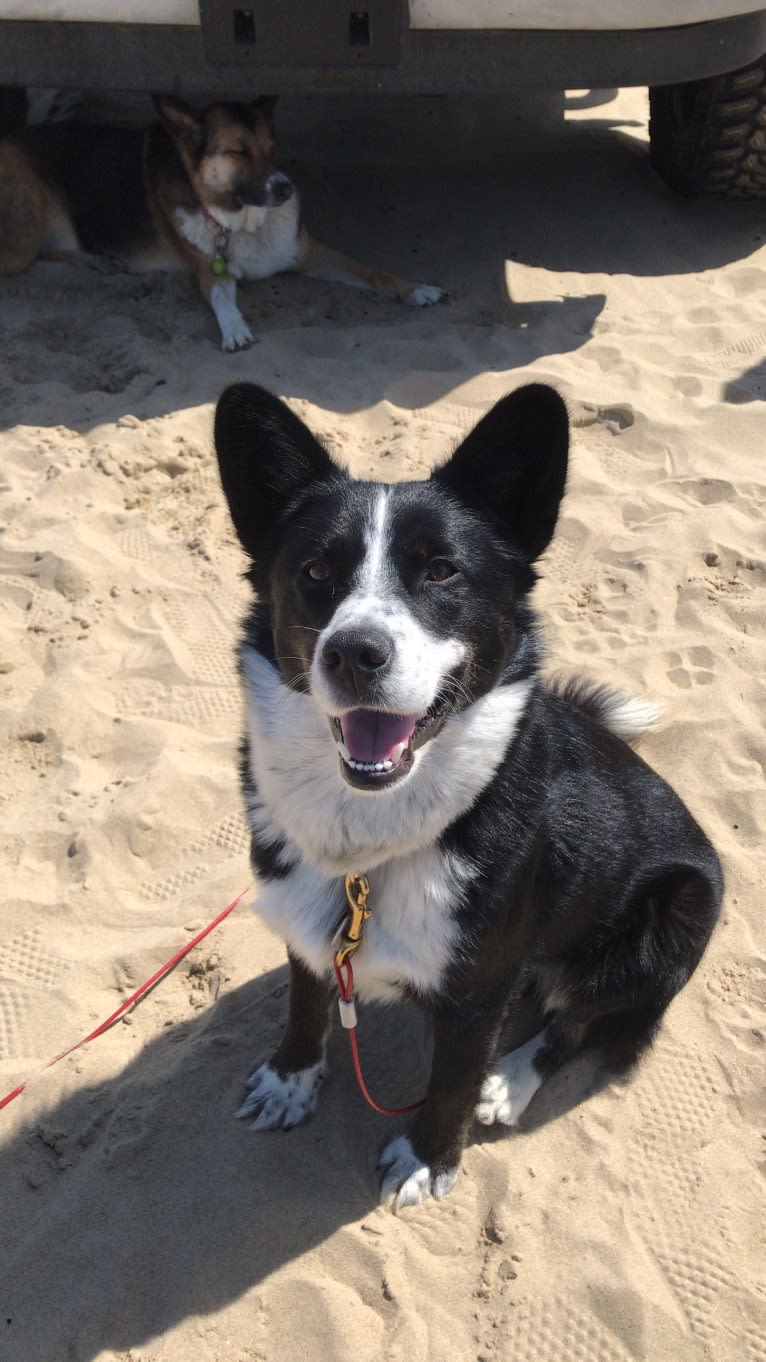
x,y
357,892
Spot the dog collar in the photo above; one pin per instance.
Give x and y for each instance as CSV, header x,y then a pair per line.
x,y
221,238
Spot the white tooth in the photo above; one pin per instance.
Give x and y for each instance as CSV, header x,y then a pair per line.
x,y
368,767
396,755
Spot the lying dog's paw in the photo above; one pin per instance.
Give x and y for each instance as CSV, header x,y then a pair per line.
x,y
407,1179
425,295
239,337
279,1103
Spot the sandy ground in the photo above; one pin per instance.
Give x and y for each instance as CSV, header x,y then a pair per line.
x,y
139,1219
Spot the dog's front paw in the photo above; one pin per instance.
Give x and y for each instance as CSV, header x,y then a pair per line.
x,y
279,1102
238,337
405,1177
425,295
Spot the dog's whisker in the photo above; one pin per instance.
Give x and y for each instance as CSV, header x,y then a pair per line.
x,y
301,679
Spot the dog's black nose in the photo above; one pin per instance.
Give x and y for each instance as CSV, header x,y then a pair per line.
x,y
357,655
280,188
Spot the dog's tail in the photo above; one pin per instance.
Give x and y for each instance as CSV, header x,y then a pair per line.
x,y
627,716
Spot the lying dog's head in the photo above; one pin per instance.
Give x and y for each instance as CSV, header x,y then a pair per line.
x,y
227,151
397,605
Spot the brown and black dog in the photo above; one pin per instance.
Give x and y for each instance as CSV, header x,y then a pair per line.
x,y
200,188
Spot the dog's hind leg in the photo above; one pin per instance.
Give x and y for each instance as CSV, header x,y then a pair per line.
x,y
515,1077
512,1083
613,999
321,262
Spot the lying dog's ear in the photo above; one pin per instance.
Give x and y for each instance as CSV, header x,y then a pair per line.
x,y
513,466
266,456
266,104
180,119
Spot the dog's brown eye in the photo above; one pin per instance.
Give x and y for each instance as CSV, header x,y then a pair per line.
x,y
317,571
439,570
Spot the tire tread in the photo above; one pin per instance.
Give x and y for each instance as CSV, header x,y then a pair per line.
x,y
707,138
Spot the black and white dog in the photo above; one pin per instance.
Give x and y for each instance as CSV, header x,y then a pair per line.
x,y
397,726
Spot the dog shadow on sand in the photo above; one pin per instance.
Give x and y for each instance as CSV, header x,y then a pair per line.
x,y
137,1202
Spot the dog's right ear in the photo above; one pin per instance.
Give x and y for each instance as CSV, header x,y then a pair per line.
x,y
266,456
513,466
179,118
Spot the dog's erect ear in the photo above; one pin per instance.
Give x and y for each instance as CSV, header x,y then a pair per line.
x,y
266,104
513,466
180,119
266,455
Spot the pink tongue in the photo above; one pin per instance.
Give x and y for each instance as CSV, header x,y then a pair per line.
x,y
371,736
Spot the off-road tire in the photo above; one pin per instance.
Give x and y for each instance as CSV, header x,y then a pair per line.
x,y
708,137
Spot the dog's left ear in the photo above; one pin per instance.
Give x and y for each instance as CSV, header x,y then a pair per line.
x,y
513,465
181,120
266,457
266,104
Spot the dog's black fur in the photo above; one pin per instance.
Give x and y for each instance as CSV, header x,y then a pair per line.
x,y
583,874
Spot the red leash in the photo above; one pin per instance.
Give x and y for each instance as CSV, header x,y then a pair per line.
x,y
357,890
135,997
345,976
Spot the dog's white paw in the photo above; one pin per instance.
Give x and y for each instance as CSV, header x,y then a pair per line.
x,y
235,332
508,1090
407,1179
239,337
279,1103
497,1104
425,295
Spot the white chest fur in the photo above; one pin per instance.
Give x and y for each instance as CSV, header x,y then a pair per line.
x,y
331,829
410,936
259,241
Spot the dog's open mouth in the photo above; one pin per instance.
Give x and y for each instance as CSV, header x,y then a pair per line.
x,y
377,748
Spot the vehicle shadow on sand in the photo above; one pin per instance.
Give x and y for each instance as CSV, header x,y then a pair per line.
x,y
519,217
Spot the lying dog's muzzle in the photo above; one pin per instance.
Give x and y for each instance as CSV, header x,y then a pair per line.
x,y
278,189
